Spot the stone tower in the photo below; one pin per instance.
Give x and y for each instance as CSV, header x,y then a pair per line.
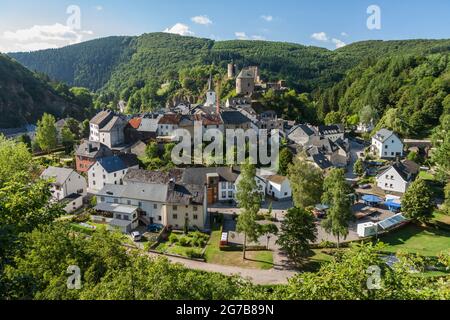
x,y
231,70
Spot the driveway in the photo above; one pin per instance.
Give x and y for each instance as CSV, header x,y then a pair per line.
x,y
355,149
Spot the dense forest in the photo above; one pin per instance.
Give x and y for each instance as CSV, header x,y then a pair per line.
x,y
407,93
26,96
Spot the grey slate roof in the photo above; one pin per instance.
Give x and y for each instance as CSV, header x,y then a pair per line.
x,y
92,150
197,176
234,118
321,161
155,177
383,135
117,163
331,129
101,117
306,130
185,194
60,175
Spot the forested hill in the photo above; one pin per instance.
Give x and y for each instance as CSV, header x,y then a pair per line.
x,y
120,62
25,96
116,63
88,64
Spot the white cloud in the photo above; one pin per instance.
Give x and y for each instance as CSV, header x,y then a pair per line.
x,y
267,18
241,35
344,34
320,36
203,20
338,43
40,37
257,37
181,29
99,8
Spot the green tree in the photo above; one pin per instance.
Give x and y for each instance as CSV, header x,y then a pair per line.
x,y
249,201
417,203
25,139
306,182
368,115
152,150
267,230
441,141
336,195
85,129
286,158
46,134
67,139
298,230
333,118
358,168
15,158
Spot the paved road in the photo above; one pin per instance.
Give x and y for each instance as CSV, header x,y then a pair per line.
x,y
355,149
261,277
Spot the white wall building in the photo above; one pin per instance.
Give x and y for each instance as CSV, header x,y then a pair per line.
x,y
278,187
398,177
65,182
110,170
386,144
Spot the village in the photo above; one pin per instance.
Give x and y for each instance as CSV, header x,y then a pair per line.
x,y
189,213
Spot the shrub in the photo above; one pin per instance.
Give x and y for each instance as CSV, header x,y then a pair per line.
x,y
83,217
327,245
184,241
193,254
173,238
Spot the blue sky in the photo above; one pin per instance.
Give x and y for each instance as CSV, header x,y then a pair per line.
x,y
31,25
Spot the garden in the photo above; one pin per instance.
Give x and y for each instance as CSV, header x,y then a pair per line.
x,y
190,245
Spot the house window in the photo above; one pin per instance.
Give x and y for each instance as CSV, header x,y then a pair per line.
x,y
392,154
230,194
391,186
175,208
224,194
104,176
224,185
140,204
102,199
175,216
195,217
195,208
129,202
159,218
116,201
115,175
155,206
93,182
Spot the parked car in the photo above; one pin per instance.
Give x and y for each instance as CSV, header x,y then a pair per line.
x,y
136,236
365,186
155,227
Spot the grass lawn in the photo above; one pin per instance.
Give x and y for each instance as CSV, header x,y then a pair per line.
x,y
442,218
426,176
415,239
255,259
316,260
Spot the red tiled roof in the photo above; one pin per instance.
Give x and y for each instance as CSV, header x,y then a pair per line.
x,y
135,123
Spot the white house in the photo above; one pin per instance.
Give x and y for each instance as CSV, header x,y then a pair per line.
x,y
72,203
168,124
107,128
278,187
64,182
110,170
122,217
386,144
398,177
